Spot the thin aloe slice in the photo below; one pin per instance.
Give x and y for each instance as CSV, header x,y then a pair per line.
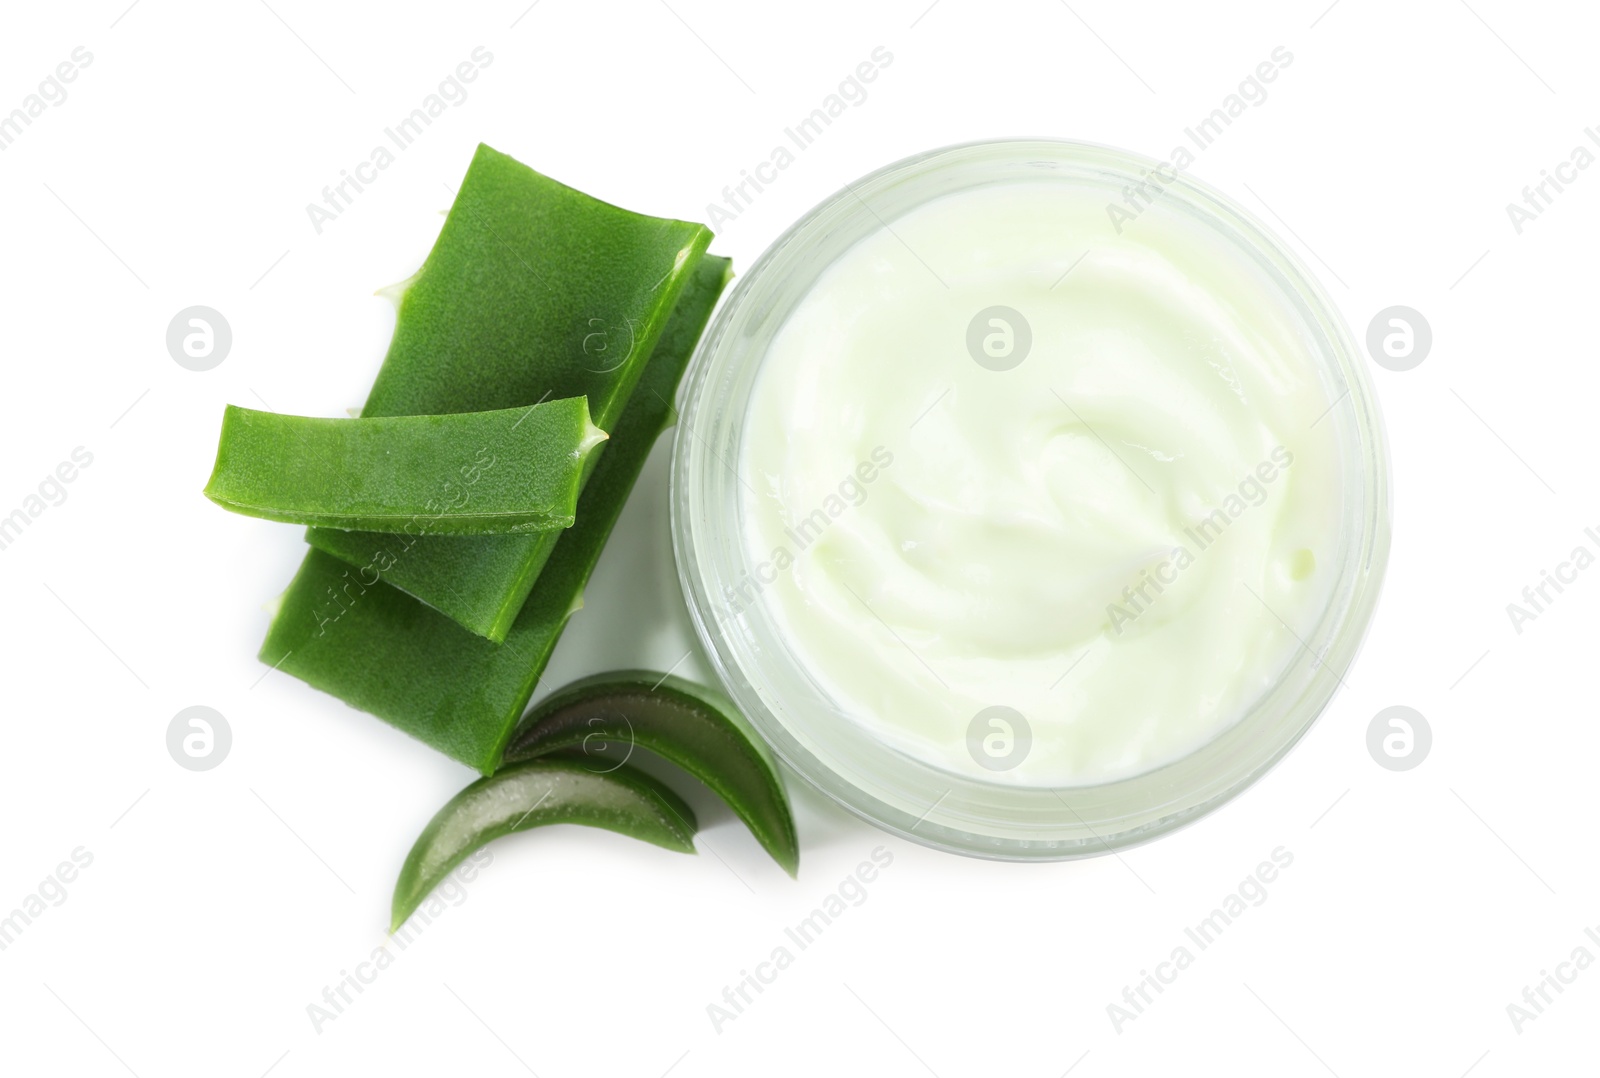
x,y
511,470
536,794
611,715
377,649
533,291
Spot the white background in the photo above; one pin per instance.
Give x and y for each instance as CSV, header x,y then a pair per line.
x,y
220,904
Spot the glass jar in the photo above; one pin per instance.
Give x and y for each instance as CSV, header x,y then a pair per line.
x,y
816,736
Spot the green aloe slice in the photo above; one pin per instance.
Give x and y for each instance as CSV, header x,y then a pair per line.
x,y
379,650
511,470
533,291
536,794
610,715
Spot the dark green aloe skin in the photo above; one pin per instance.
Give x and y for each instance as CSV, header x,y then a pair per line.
x,y
686,724
512,470
538,793
345,631
533,291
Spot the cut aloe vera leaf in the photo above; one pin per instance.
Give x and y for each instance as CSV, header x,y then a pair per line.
x,y
533,291
377,649
483,579
537,794
608,716
474,473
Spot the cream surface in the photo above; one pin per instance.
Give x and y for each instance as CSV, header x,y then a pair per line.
x,y
1110,507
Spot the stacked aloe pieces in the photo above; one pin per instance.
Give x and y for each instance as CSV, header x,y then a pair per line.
x,y
455,524
534,292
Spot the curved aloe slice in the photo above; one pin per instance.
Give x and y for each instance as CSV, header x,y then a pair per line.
x,y
690,726
512,470
534,794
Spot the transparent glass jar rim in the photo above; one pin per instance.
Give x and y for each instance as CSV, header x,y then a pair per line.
x,y
895,792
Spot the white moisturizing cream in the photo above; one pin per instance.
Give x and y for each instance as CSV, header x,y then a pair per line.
x,y
1038,501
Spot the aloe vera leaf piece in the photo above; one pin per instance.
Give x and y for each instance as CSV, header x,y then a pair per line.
x,y
472,473
377,649
536,794
533,291
609,715
482,576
